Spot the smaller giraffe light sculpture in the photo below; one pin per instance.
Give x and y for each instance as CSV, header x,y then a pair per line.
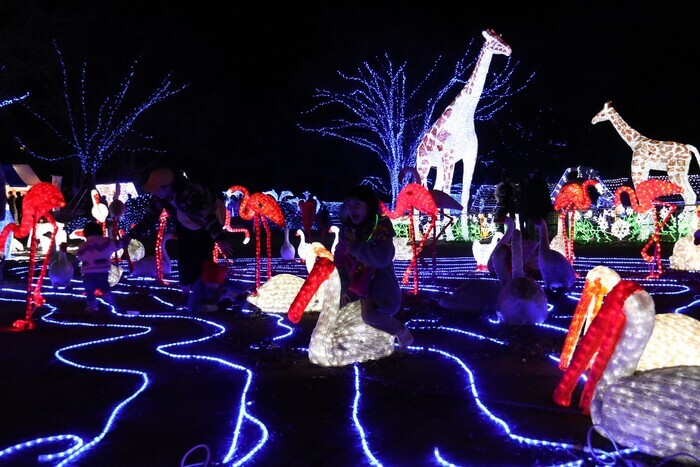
x,y
650,154
40,200
644,199
573,197
259,207
414,196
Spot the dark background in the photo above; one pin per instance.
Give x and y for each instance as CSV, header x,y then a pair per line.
x,y
251,71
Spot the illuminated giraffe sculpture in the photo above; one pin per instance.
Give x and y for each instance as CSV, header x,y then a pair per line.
x,y
649,154
453,137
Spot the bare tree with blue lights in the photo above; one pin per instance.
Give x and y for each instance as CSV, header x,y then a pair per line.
x,y
95,133
380,110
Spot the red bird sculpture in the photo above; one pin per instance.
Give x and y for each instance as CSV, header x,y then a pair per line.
x,y
40,200
573,197
259,207
414,196
644,199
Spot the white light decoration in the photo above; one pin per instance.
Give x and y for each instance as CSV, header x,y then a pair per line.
x,y
650,154
340,336
148,265
453,136
276,295
686,254
655,411
482,251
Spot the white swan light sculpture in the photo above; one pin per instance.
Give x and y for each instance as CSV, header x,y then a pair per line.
x,y
655,411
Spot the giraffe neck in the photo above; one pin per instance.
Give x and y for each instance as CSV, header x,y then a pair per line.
x,y
464,105
626,132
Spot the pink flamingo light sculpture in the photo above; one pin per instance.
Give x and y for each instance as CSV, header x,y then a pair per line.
x,y
414,196
644,199
259,207
573,197
38,203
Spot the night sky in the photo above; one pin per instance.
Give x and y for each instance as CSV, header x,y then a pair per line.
x,y
251,73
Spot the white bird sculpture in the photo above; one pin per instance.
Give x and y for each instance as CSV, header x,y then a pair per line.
x,y
340,336
61,268
522,300
303,247
655,411
482,251
557,272
335,230
674,341
147,266
287,249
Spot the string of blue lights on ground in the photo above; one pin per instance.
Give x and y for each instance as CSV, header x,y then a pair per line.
x,y
250,433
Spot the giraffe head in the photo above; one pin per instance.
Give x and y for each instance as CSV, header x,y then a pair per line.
x,y
496,43
604,114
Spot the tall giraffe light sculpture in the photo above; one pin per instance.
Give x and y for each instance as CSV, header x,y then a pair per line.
x,y
650,154
645,198
453,136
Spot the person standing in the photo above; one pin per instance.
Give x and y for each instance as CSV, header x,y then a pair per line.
x,y
18,206
536,203
364,258
505,199
12,202
199,217
95,255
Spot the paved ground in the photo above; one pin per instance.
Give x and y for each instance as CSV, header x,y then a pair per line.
x,y
167,388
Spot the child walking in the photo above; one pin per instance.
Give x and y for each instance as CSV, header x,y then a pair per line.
x,y
95,255
364,258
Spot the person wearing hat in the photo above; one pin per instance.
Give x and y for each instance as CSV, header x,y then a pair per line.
x,y
198,215
364,257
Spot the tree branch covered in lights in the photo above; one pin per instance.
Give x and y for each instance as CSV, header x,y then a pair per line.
x,y
12,100
383,112
95,133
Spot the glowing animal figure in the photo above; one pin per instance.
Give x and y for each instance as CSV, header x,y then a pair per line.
x,y
39,201
453,136
649,154
335,230
340,336
557,272
259,207
227,226
482,251
414,196
674,341
304,247
686,251
287,249
61,269
308,208
500,261
522,300
147,266
644,199
655,411
573,197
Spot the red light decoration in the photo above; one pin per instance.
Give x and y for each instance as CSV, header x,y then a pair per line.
x,y
308,208
572,197
162,221
259,207
602,337
644,199
322,270
227,225
414,196
41,198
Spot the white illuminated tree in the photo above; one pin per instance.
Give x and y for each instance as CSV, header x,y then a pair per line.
x,y
382,111
92,131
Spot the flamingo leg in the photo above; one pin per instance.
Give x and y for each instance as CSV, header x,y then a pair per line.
x,y
256,225
268,246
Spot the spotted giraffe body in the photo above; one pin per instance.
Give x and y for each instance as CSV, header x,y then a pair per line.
x,y
649,154
452,137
